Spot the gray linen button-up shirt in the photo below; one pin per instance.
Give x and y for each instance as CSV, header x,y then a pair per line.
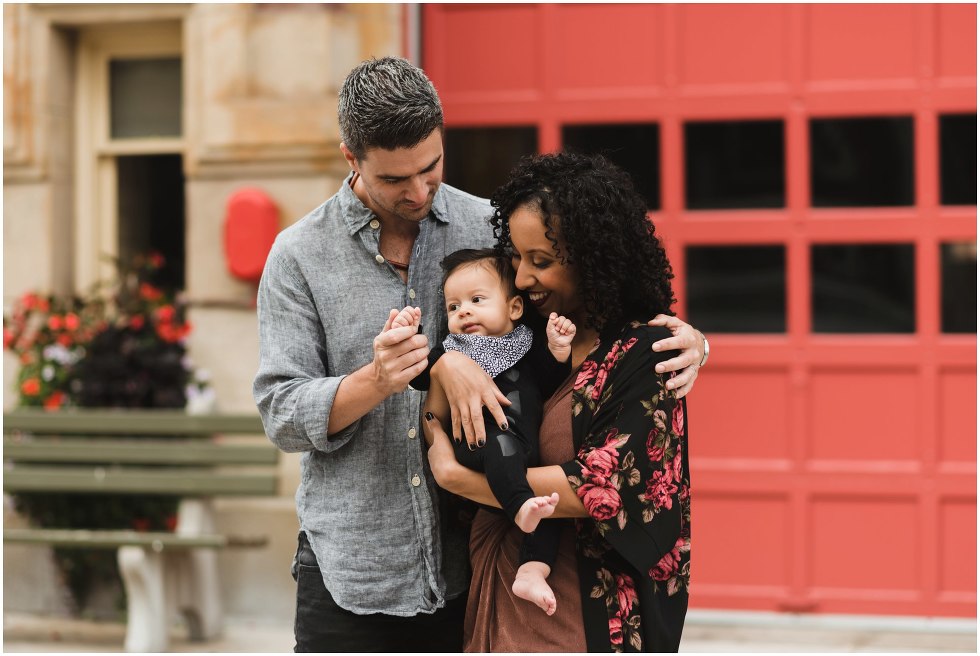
x,y
366,499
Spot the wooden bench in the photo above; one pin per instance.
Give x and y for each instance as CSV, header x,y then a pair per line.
x,y
134,452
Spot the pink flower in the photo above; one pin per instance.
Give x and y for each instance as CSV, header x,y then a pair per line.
x,y
72,322
585,372
654,451
677,465
615,631
659,490
601,463
601,502
625,594
149,292
600,381
677,419
166,313
55,322
669,564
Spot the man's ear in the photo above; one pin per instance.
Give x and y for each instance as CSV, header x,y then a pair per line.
x,y
516,307
349,156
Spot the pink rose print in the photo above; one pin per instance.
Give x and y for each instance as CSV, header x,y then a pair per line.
x,y
600,382
601,502
625,594
615,631
678,419
669,564
585,372
659,490
654,452
601,463
677,470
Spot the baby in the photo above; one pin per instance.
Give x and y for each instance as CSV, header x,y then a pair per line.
x,y
484,308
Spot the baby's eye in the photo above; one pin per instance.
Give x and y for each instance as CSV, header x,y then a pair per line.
x,y
477,299
453,307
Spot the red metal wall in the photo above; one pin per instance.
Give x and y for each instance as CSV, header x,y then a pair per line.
x,y
832,472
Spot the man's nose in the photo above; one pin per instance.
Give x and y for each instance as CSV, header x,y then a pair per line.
x,y
418,191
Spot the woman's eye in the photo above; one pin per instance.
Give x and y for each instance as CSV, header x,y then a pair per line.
x,y
541,264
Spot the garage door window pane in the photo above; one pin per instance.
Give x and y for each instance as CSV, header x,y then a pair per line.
x,y
958,159
960,287
734,164
145,98
478,160
861,162
863,288
633,147
736,289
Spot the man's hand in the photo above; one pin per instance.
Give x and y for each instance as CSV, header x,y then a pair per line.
x,y
469,388
690,342
408,316
399,356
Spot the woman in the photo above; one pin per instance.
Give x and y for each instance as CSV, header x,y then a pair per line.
x,y
613,438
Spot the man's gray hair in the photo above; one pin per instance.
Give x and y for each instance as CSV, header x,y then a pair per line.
x,y
387,103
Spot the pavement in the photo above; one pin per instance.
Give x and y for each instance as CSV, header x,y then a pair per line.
x,y
705,632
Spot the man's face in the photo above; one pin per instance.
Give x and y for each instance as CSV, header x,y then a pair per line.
x,y
399,184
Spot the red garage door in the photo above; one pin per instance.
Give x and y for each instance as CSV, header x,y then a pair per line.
x,y
813,170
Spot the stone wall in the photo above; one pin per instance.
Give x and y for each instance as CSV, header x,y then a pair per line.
x,y
260,95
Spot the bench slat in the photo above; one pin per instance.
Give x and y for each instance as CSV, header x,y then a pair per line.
x,y
163,481
111,539
130,422
140,451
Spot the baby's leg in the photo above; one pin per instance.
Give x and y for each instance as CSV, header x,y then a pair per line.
x,y
530,584
534,510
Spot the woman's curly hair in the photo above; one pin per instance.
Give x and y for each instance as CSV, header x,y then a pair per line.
x,y
597,223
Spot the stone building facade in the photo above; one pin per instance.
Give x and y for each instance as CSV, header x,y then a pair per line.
x,y
252,104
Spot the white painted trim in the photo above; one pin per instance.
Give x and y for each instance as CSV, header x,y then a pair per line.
x,y
947,625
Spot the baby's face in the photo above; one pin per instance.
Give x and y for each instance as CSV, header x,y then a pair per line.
x,y
477,302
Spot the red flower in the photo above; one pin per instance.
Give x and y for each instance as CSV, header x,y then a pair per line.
x,y
8,338
26,357
156,260
585,372
601,502
55,322
29,300
30,387
615,631
677,419
669,564
625,594
166,313
659,490
54,401
601,463
72,322
64,339
149,292
136,322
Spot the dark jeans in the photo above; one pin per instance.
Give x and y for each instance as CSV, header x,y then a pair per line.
x,y
323,626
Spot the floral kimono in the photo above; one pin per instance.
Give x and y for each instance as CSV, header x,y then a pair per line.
x,y
631,473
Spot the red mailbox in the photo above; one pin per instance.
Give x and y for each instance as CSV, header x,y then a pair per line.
x,y
251,226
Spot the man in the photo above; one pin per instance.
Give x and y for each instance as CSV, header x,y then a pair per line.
x,y
376,570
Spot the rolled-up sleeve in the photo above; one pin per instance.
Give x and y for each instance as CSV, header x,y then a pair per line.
x,y
292,390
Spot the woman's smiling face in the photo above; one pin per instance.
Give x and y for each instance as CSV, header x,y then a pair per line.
x,y
549,282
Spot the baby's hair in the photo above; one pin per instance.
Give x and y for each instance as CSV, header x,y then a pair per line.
x,y
497,260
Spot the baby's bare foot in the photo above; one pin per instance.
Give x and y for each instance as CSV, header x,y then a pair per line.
x,y
530,584
534,510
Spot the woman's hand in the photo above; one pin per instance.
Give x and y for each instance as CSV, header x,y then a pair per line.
x,y
442,460
469,388
690,342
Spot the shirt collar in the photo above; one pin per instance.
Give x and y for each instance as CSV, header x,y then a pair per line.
x,y
357,215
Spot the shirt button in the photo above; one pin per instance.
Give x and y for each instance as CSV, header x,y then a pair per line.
x,y
379,258
375,223
411,433
411,293
416,480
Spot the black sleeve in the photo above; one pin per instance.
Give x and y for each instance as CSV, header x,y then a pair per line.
x,y
423,380
548,372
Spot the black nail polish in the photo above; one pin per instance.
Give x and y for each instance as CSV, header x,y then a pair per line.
x,y
429,416
481,442
503,426
470,446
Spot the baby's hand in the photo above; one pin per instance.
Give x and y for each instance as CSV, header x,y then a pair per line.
x,y
560,332
409,316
